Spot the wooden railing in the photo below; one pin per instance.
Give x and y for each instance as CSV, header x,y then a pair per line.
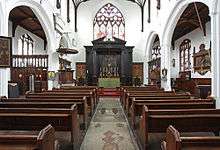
x,y
33,61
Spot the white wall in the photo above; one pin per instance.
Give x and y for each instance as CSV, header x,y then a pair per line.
x,y
133,34
197,38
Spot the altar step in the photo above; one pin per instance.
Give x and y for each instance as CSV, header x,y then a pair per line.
x,y
109,92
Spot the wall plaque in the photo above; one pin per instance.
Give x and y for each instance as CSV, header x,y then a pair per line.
x,y
5,51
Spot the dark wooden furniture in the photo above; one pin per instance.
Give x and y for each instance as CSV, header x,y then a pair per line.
x,y
59,95
108,59
36,118
199,87
28,140
82,108
25,65
174,141
65,76
137,105
185,120
154,71
153,96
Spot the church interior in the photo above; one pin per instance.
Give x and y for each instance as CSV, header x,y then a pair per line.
x,y
109,74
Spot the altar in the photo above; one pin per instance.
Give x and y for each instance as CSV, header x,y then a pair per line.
x,y
109,63
109,82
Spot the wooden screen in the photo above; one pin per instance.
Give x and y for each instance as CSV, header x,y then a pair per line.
x,y
155,63
81,72
25,65
138,73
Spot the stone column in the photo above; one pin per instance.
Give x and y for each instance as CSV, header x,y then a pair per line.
x,y
215,56
165,64
4,72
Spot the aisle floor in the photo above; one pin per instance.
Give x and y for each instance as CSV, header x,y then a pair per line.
x,y
109,129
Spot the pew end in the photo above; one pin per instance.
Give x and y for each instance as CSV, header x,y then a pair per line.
x,y
172,139
46,138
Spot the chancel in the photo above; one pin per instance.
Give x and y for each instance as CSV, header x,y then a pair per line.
x,y
109,74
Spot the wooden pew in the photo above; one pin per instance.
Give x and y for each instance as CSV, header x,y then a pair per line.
x,y
48,103
137,105
61,119
129,94
174,141
56,95
153,96
125,89
82,91
185,120
95,88
125,93
28,140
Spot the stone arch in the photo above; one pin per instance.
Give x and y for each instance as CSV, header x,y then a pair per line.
x,y
42,16
168,32
172,20
150,40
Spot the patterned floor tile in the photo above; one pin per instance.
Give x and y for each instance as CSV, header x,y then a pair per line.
x,y
108,129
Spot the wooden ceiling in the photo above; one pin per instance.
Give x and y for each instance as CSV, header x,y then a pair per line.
x,y
25,17
189,20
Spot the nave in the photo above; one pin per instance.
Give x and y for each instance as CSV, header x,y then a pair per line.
x,y
109,74
78,118
109,128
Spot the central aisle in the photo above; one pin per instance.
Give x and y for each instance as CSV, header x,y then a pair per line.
x,y
109,128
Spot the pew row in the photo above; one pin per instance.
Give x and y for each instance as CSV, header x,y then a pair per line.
x,y
65,96
185,120
28,140
137,106
62,119
153,96
48,103
174,141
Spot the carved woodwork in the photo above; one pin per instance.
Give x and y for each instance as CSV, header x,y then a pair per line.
x,y
138,73
65,76
154,68
102,49
25,65
81,73
202,60
199,87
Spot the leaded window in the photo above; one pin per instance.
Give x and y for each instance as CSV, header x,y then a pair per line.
x,y
155,53
109,22
25,45
185,47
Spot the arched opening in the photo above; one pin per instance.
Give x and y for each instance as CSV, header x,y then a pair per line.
x,y
29,53
109,22
154,62
191,51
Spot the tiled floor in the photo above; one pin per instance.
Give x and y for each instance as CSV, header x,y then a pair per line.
x,y
109,129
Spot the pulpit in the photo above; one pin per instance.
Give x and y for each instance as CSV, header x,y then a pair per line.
x,y
109,59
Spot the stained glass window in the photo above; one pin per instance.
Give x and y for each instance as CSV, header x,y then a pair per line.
x,y
109,22
185,55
